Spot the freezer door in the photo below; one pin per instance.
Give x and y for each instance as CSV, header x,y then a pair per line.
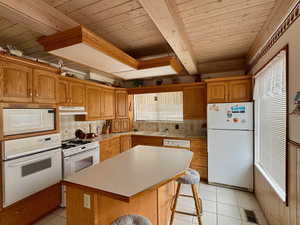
x,y
236,116
230,158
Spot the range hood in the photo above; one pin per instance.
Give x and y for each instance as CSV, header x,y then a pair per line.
x,y
70,110
84,47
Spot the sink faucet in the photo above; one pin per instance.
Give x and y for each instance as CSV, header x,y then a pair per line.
x,y
166,130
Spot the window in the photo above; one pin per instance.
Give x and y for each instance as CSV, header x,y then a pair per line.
x,y
159,106
271,123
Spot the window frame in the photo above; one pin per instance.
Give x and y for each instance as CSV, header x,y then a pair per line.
x,y
286,200
158,121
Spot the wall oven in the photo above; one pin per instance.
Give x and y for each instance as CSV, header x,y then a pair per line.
x,y
22,121
30,165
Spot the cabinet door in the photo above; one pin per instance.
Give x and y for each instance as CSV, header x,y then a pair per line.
x,y
217,92
77,94
125,142
63,92
93,103
45,87
200,157
147,140
115,145
116,125
194,102
16,81
240,91
121,104
105,150
165,197
108,104
124,126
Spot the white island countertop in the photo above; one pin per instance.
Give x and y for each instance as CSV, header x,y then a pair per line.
x,y
134,171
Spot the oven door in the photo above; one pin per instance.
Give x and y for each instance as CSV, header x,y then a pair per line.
x,y
80,161
21,121
30,174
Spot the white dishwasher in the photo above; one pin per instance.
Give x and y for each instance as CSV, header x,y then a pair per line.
x,y
177,143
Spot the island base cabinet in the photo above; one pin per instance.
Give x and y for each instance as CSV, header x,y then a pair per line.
x,y
154,204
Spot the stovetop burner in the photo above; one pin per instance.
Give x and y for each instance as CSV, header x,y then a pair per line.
x,y
73,143
79,142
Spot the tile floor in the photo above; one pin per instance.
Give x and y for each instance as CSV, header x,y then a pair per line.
x,y
221,206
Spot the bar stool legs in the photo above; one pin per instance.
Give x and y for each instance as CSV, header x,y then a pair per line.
x,y
197,200
198,203
173,209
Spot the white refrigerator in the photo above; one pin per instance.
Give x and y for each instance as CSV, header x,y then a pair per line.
x,y
230,144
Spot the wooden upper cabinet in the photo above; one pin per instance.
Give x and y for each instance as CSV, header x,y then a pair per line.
x,y
93,103
63,92
108,104
16,82
44,86
77,94
240,90
71,93
229,89
194,102
217,92
121,104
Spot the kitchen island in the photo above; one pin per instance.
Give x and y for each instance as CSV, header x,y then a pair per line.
x,y
138,181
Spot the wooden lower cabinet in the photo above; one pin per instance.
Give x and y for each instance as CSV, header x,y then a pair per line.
x,y
109,148
31,209
200,158
153,204
165,196
146,140
125,142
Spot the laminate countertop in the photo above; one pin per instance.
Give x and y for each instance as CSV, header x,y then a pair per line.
x,y
134,171
103,137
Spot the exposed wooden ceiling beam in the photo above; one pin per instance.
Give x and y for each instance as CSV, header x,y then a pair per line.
x,y
37,15
163,14
280,10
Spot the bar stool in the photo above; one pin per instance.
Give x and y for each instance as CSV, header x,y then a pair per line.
x,y
132,220
192,177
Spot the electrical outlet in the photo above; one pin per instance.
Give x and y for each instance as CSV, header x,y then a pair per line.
x,y
86,201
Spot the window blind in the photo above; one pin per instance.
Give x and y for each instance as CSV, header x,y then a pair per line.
x,y
271,123
167,106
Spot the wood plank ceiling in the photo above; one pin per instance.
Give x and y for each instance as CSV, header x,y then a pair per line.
x,y
223,30
218,30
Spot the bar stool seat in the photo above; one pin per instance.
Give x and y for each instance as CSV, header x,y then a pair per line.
x,y
192,177
132,220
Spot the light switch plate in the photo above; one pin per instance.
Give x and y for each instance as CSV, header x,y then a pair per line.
x,y
86,201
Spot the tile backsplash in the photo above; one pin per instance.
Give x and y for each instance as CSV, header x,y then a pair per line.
x,y
187,127
68,126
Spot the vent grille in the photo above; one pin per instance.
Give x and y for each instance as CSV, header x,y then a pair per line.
x,y
251,217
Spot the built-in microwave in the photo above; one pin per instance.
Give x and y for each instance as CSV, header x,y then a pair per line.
x,y
22,121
